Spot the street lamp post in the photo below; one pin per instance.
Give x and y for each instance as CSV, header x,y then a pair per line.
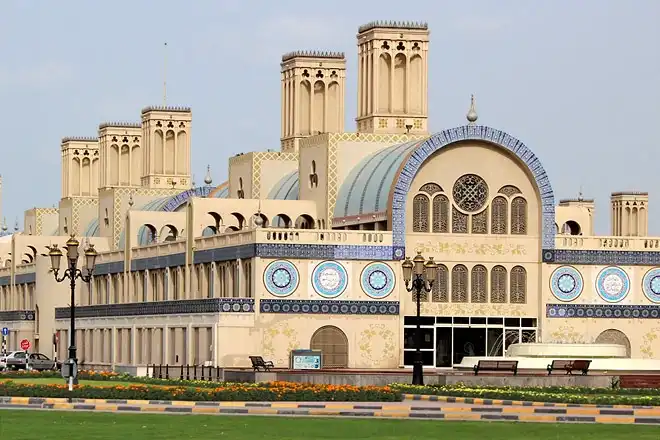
x,y
72,273
425,273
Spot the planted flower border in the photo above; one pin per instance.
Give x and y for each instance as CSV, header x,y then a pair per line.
x,y
145,388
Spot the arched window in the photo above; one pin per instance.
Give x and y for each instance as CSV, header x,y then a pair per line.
x,y
333,344
459,222
480,222
518,285
519,216
440,213
430,188
421,213
478,284
498,284
440,291
459,284
498,220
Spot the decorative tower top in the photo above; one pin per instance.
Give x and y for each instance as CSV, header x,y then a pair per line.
x,y
472,113
208,180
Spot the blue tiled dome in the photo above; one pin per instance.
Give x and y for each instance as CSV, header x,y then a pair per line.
x,y
287,188
367,187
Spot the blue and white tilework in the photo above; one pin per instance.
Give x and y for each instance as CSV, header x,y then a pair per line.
x,y
323,251
281,278
377,280
651,285
566,283
476,132
329,279
612,284
602,258
339,307
605,311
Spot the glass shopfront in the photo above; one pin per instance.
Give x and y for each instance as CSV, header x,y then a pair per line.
x,y
446,340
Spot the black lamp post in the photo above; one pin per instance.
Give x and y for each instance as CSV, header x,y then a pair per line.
x,y
72,273
425,272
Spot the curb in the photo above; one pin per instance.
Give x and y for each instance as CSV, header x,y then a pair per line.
x,y
525,403
402,413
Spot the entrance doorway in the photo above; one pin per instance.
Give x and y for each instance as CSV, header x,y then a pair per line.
x,y
469,342
333,344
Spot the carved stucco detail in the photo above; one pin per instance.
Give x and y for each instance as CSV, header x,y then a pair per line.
x,y
258,159
377,345
278,341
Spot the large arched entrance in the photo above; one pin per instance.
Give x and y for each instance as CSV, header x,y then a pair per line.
x,y
613,336
332,342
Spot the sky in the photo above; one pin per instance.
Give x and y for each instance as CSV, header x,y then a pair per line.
x,y
577,81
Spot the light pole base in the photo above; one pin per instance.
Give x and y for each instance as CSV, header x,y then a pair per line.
x,y
418,373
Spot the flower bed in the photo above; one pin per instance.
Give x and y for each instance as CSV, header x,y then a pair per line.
x,y
583,395
273,391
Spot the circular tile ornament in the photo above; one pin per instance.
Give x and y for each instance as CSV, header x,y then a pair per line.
x,y
329,279
651,285
566,283
612,284
377,280
281,278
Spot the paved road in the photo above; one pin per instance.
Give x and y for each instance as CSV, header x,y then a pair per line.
x,y
411,409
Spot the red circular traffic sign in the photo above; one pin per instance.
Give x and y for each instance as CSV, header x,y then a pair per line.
x,y
25,345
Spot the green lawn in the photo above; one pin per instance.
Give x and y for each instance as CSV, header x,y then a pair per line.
x,y
55,425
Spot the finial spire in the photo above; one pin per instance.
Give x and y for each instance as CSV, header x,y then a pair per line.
x,y
580,195
4,224
472,113
16,225
131,202
165,77
208,179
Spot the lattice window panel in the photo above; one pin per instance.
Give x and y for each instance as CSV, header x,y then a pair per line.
x,y
498,284
498,219
478,284
518,285
459,284
440,213
430,188
333,343
459,222
420,213
480,222
440,291
519,216
509,190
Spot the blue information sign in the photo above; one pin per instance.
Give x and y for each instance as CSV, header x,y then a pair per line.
x,y
5,331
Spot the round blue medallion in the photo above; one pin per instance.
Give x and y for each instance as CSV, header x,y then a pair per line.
x,y
281,278
566,283
329,279
651,285
377,280
612,284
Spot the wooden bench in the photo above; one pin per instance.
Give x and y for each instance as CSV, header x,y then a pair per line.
x,y
258,362
496,366
569,366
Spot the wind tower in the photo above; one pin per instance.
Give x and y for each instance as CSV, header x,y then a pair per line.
x,y
393,77
313,89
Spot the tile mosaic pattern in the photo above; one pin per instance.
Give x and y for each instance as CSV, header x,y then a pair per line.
x,y
605,311
281,278
566,283
651,285
613,284
604,258
477,132
179,307
324,252
326,307
329,279
377,280
17,315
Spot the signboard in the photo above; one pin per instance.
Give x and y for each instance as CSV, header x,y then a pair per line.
x,y
25,345
306,360
5,331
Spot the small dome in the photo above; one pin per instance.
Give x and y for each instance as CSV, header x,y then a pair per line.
x,y
208,179
258,220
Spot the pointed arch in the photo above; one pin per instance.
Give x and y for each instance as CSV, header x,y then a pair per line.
x,y
426,149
